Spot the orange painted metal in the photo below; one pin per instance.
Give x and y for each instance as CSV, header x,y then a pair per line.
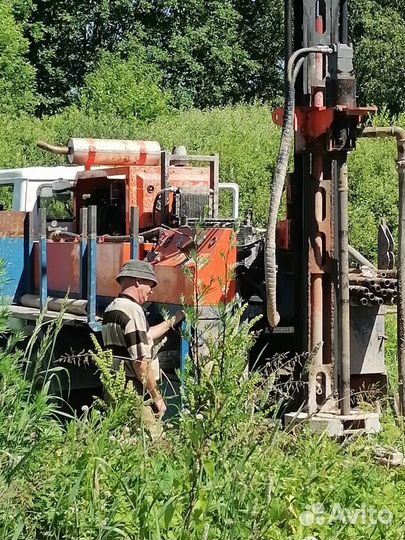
x,y
89,152
313,122
110,258
212,280
142,186
64,269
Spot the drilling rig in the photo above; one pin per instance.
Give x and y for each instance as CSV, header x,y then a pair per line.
x,y
133,200
321,117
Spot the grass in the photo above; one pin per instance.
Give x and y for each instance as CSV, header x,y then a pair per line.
x,y
222,471
391,348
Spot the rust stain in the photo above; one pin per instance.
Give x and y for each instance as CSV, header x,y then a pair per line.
x,y
12,224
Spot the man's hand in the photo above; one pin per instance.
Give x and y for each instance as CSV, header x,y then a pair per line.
x,y
178,317
160,407
162,328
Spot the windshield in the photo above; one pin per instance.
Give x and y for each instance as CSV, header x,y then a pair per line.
x,y
58,206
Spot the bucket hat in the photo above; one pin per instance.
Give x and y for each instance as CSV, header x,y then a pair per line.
x,y
138,269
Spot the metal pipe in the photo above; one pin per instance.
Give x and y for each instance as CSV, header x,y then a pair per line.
x,y
388,273
235,197
61,150
83,252
91,265
317,318
399,134
43,262
55,236
392,292
358,289
184,354
134,232
344,307
359,258
344,22
317,287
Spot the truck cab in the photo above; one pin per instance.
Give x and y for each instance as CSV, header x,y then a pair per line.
x,y
27,189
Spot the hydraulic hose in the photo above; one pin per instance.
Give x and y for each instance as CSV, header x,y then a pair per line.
x,y
270,267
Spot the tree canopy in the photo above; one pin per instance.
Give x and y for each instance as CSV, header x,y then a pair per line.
x,y
125,88
191,53
17,76
197,45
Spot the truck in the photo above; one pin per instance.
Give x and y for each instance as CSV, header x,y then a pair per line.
x,y
133,200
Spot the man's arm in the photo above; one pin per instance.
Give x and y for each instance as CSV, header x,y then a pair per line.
x,y
144,372
162,328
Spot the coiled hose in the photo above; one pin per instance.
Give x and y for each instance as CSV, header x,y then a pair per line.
x,y
270,266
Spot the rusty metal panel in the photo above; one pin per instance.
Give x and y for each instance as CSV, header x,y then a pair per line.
x,y
12,224
217,255
145,185
110,258
63,267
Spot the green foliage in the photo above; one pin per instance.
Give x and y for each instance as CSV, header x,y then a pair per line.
x,y
262,34
391,360
373,190
17,82
124,88
209,53
378,33
244,137
197,45
247,142
200,49
224,472
6,197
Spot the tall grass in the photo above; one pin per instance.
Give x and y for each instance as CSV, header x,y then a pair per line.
x,y
223,470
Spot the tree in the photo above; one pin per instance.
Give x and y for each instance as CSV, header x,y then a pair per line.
x,y
197,44
17,77
378,34
210,52
262,31
126,88
200,48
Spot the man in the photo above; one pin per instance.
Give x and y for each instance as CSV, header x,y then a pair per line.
x,y
127,333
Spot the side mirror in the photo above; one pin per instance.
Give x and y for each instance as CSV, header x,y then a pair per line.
x,y
61,186
61,190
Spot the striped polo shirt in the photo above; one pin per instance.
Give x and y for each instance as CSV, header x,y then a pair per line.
x,y
125,331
